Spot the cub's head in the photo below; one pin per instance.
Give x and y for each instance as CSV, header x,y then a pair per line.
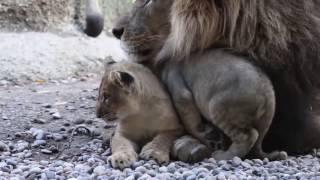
x,y
124,88
116,88
144,30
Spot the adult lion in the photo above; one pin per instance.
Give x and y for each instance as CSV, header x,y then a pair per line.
x,y
94,18
279,36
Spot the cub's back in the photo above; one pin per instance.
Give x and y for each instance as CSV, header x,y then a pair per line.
x,y
219,70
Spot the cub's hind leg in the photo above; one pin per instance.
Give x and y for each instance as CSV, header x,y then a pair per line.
x,y
245,121
235,119
265,114
190,115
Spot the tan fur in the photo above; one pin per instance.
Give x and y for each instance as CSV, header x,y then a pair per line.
x,y
146,118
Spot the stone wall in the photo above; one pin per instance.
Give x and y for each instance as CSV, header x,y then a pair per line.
x,y
35,15
51,15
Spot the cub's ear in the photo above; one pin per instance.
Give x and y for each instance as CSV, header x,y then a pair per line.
x,y
121,79
108,63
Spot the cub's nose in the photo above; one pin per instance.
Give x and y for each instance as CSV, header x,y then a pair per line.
x,y
118,32
98,114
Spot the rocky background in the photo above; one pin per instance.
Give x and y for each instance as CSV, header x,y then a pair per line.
x,y
53,15
42,40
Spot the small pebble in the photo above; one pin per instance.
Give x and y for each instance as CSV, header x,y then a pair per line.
x,y
141,169
38,121
245,165
4,147
236,161
21,146
79,121
4,117
47,106
37,143
46,151
56,115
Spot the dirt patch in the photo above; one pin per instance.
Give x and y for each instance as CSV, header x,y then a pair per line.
x,y
29,57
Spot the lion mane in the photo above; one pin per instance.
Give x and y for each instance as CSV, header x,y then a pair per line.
x,y
280,36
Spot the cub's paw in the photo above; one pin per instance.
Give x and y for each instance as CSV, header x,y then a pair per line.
x,y
277,155
222,155
122,159
151,152
189,149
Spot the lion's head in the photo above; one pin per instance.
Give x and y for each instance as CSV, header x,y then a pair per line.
x,y
143,31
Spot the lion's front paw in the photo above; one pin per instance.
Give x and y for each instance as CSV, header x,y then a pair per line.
x,y
123,159
150,152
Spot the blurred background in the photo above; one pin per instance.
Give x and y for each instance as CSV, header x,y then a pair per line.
x,y
43,40
53,15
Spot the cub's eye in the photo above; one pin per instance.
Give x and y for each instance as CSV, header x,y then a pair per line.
x,y
106,98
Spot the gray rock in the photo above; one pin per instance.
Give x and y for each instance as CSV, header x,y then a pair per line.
x,y
56,115
39,134
46,151
137,175
50,174
245,165
100,170
236,161
145,177
171,167
221,176
82,168
4,117
4,147
39,121
163,169
21,146
130,178
37,143
141,169
191,177
79,121
186,174
11,162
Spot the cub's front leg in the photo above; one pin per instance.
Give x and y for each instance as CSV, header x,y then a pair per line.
x,y
123,152
159,148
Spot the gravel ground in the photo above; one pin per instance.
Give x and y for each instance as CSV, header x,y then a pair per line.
x,y
36,122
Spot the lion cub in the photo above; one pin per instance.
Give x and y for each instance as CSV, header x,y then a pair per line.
x,y
146,117
229,92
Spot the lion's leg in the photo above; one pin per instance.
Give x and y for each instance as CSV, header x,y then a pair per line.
x,y
189,149
159,148
123,152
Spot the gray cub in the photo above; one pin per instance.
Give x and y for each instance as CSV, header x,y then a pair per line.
x,y
230,93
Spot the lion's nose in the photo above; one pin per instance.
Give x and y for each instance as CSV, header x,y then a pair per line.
x,y
118,32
